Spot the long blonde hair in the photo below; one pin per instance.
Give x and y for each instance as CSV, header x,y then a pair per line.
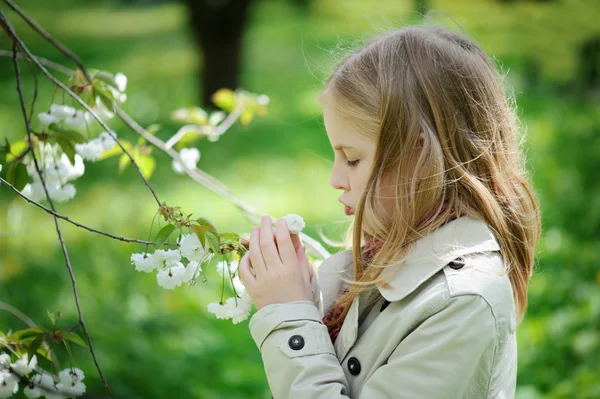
x,y
432,82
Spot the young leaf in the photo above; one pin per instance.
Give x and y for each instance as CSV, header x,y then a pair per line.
x,y
17,175
163,234
15,149
124,161
34,346
147,165
230,237
71,336
200,233
213,241
26,333
68,148
224,99
206,223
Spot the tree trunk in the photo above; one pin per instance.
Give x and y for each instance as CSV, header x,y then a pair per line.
x,y
218,27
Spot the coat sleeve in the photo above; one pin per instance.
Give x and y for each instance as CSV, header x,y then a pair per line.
x,y
298,356
440,358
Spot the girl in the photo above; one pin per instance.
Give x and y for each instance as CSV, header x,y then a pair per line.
x,y
426,302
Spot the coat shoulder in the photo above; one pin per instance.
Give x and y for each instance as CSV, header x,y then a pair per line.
x,y
485,275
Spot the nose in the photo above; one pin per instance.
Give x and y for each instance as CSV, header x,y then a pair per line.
x,y
338,179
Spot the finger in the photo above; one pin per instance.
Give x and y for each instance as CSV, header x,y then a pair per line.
x,y
296,239
303,261
267,244
256,258
286,247
245,272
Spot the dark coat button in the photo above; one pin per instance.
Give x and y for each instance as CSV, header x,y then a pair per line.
x,y
354,366
385,304
296,342
457,264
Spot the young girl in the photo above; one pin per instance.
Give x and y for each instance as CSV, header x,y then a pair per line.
x,y
426,302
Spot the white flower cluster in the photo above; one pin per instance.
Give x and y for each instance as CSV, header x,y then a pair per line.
x,y
189,157
93,149
236,309
295,223
69,383
56,169
70,116
171,271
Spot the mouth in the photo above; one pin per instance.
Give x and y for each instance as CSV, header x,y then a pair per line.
x,y
348,209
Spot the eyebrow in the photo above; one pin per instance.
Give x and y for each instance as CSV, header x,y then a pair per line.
x,y
341,147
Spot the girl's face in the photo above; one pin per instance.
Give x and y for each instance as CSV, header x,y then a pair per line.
x,y
353,156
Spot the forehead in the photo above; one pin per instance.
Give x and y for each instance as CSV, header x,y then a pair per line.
x,y
341,131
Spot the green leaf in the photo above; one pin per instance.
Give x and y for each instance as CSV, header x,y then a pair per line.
x,y
17,175
163,234
147,165
16,149
68,148
116,150
206,223
213,241
71,336
26,333
106,77
124,161
224,99
200,233
229,237
54,317
34,346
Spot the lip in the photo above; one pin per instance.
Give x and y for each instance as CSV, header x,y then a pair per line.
x,y
347,208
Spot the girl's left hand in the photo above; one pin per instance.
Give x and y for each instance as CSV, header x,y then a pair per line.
x,y
281,273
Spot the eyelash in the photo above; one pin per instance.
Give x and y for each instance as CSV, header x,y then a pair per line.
x,y
352,163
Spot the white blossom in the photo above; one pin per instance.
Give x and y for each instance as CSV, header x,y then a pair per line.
x,y
222,265
145,262
191,247
4,360
89,151
77,119
9,384
170,257
41,384
171,277
121,81
101,110
23,366
0,167
93,149
262,99
47,118
61,111
295,223
229,310
69,382
36,192
238,285
189,157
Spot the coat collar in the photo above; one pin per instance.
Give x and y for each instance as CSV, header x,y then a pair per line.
x,y
429,254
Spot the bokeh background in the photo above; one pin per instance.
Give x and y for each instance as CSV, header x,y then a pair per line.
x,y
154,343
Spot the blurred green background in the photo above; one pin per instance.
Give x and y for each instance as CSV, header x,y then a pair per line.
x,y
154,343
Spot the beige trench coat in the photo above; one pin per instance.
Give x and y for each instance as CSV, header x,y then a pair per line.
x,y
441,329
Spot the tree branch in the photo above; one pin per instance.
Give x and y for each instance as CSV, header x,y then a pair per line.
x,y
58,83
65,218
17,42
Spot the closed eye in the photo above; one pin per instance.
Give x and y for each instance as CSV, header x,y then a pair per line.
x,y
352,163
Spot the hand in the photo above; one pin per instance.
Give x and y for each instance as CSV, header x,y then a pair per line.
x,y
282,271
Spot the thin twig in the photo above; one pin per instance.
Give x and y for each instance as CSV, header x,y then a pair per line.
x,y
208,129
18,314
43,61
66,218
215,185
35,26
58,83
17,42
198,175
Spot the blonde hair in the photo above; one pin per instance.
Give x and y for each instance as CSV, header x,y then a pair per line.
x,y
432,84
